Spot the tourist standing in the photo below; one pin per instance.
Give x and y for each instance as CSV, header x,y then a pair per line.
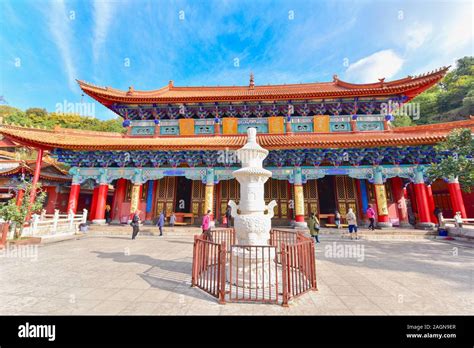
x,y
206,226
107,213
437,212
172,219
228,215
135,223
161,222
337,219
458,219
314,227
352,222
371,215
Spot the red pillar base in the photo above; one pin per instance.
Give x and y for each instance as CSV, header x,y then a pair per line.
x,y
73,198
457,201
431,204
99,217
424,221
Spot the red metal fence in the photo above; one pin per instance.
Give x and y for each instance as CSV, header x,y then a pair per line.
x,y
208,272
273,273
254,275
282,236
299,267
226,235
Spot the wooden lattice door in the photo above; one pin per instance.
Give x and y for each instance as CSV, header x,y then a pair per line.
x,y
165,195
346,194
229,190
277,190
310,191
198,198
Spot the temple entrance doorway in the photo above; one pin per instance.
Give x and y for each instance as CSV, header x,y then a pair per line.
x,y
183,195
326,195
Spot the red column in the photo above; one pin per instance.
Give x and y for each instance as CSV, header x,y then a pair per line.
x,y
93,203
119,198
422,203
431,204
399,194
39,159
456,198
19,197
73,198
99,216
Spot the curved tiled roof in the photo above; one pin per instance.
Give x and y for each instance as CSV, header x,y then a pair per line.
x,y
29,166
409,86
414,135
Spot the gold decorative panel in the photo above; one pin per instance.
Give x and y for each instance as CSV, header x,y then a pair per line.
x,y
276,124
321,123
229,125
186,126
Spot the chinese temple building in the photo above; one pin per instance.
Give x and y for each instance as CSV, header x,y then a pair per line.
x,y
55,180
331,148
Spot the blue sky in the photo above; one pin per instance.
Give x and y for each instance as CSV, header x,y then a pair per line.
x,y
46,45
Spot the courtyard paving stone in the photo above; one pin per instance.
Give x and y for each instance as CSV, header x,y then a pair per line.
x,y
151,275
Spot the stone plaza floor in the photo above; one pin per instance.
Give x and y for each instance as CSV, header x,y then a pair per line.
x,y
100,274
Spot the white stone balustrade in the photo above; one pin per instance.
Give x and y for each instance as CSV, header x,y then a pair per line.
x,y
50,225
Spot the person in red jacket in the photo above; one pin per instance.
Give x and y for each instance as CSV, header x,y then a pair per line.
x,y
371,215
206,225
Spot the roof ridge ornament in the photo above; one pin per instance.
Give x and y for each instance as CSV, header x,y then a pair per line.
x,y
252,82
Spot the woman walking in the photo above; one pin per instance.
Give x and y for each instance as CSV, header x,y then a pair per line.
x,y
135,223
206,226
371,215
314,227
161,222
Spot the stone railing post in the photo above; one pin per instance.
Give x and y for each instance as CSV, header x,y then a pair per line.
x,y
84,216
43,213
55,220
71,219
34,225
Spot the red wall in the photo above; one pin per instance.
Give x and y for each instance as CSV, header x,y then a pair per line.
x,y
124,210
55,200
469,203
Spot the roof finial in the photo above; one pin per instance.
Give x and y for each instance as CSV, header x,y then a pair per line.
x,y
130,90
252,83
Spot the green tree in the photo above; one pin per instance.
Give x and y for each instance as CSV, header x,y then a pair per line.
x,y
37,117
451,98
17,215
457,151
402,121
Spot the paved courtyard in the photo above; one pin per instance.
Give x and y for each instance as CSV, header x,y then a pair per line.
x,y
151,275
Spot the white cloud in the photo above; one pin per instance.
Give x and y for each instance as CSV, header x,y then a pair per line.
x,y
59,25
380,64
417,35
458,33
103,15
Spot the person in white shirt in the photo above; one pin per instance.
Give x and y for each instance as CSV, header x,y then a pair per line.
x,y
458,219
352,222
